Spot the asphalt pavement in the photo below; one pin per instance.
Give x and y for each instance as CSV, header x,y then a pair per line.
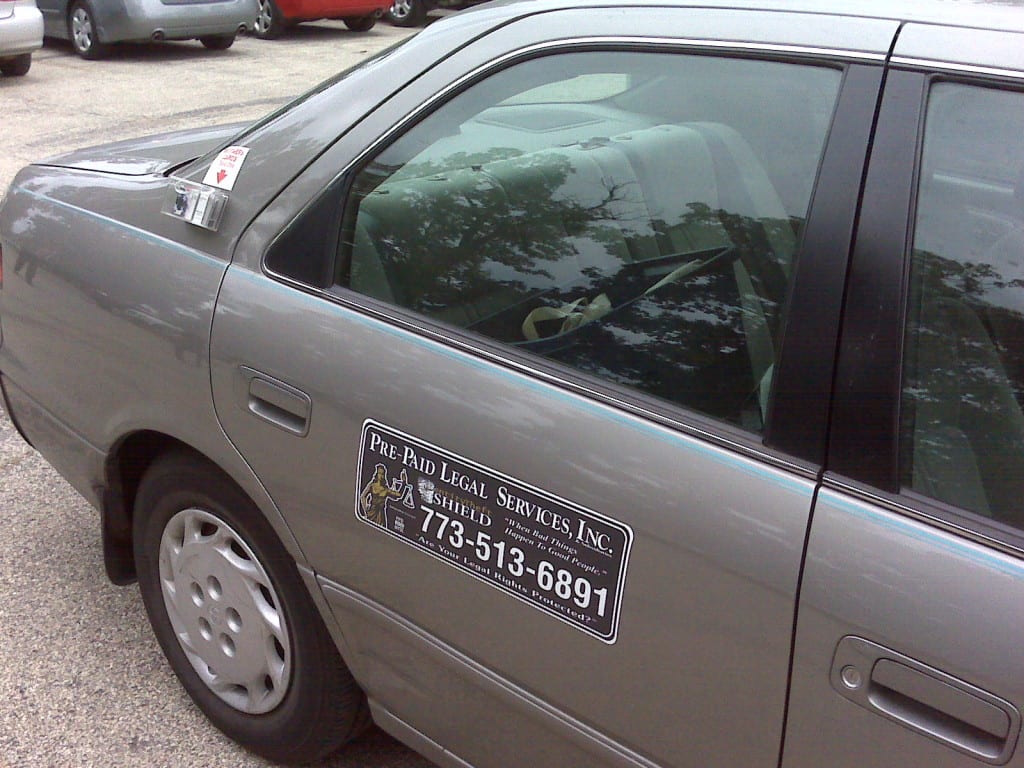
x,y
82,680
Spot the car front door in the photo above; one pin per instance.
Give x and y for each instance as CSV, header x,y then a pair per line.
x,y
508,374
907,647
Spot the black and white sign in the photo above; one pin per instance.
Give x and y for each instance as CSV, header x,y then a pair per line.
x,y
555,555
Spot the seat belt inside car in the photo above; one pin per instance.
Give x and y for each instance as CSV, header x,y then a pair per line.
x,y
572,315
759,339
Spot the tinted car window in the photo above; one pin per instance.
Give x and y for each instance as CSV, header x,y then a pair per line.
x,y
633,215
962,423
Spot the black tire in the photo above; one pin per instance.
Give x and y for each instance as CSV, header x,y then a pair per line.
x,y
407,13
269,23
196,524
82,32
18,66
217,42
360,23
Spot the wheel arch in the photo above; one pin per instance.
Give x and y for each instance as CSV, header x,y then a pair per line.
x,y
125,465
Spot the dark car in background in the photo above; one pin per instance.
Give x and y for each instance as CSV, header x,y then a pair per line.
x,y
575,384
409,13
92,26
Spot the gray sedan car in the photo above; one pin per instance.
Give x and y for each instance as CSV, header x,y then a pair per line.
x,y
93,25
570,385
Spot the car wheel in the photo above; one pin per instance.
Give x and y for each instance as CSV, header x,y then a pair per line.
x,y
17,66
82,32
407,13
218,42
360,23
234,618
269,23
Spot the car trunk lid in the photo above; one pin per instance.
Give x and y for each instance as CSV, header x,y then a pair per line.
x,y
151,155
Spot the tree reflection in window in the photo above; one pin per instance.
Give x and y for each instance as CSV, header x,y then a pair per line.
x,y
649,253
963,424
963,390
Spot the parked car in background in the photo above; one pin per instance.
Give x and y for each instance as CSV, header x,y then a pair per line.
x,y
413,13
21,33
625,386
276,16
93,26
408,13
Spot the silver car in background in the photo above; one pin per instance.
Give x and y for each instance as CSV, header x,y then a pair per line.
x,y
93,25
21,33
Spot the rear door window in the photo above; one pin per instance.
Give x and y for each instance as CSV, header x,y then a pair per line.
x,y
962,420
632,215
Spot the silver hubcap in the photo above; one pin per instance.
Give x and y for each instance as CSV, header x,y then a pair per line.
x,y
265,18
401,8
225,612
81,29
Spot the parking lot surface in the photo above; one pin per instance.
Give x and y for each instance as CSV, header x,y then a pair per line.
x,y
82,680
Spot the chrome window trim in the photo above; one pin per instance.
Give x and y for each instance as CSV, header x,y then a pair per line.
x,y
749,46
951,67
902,505
431,329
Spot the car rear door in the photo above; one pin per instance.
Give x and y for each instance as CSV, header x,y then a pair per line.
x,y
574,548
907,647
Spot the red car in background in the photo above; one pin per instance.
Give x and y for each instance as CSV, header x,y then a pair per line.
x,y
275,16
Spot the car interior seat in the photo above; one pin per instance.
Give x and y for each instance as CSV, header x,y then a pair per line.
x,y
466,244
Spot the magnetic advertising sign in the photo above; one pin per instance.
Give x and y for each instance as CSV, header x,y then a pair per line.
x,y
557,556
